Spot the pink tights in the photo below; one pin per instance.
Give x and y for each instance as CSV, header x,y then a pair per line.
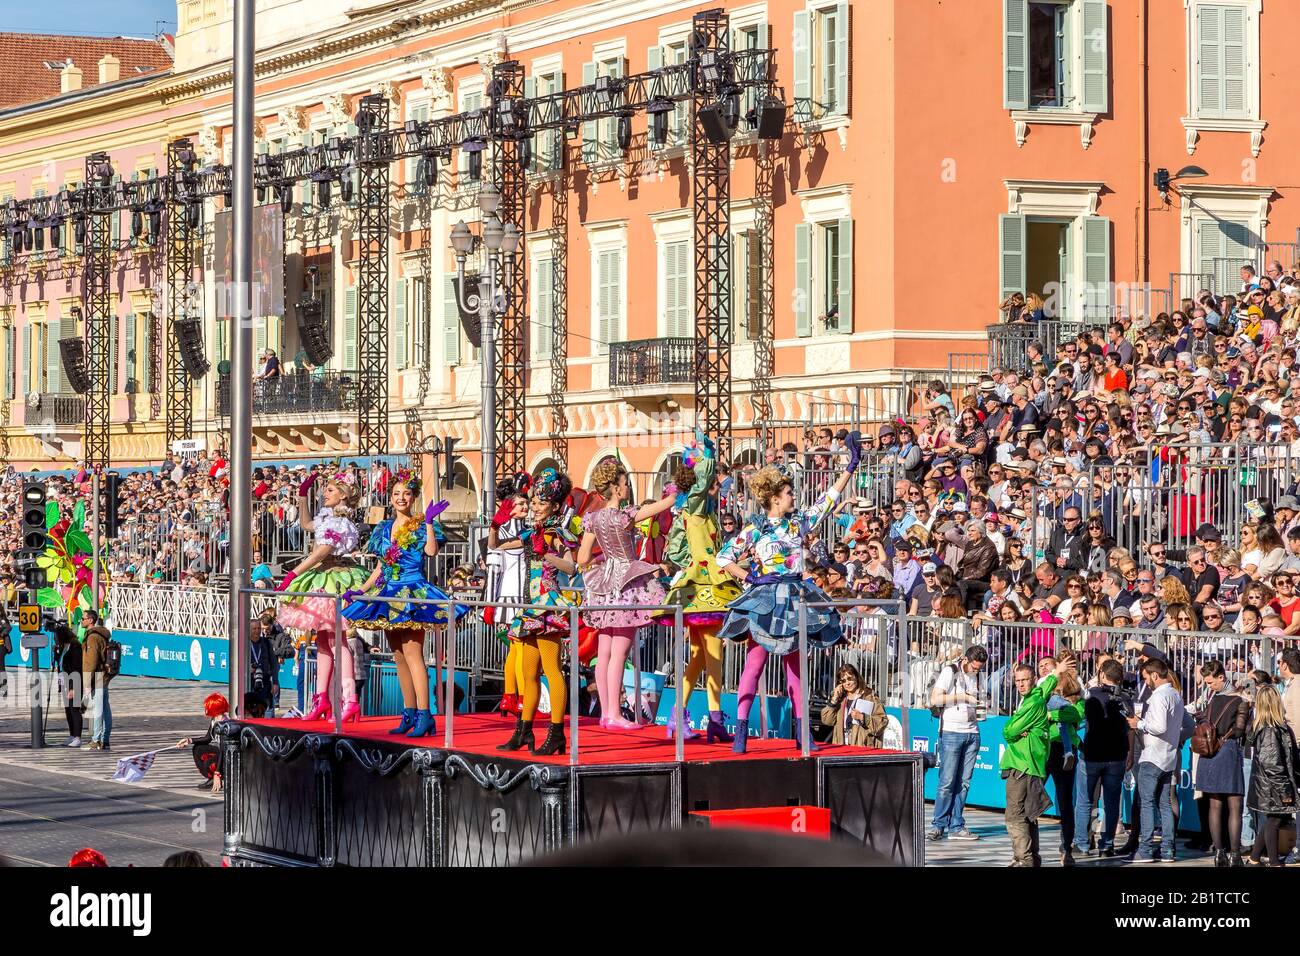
x,y
325,666
754,661
611,660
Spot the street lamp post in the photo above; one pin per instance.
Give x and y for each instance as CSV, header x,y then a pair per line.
x,y
495,279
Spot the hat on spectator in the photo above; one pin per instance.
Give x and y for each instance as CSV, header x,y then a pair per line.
x,y
903,544
1287,502
929,568
1201,373
941,461
959,506
988,386
1060,462
991,518
861,503
1017,513
839,568
1208,532
886,430
1027,429
1021,452
1121,612
966,462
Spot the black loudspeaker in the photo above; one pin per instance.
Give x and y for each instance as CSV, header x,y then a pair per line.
x,y
771,118
312,332
713,118
469,321
73,352
189,335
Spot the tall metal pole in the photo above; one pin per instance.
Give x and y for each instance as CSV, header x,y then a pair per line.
x,y
94,557
487,348
241,377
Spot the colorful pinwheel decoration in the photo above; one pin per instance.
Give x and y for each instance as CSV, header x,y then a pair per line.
x,y
68,566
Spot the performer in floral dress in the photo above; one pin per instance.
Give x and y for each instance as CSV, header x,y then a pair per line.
x,y
767,614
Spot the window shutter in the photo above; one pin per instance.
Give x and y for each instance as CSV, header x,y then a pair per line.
x,y
845,291
841,77
545,307
27,358
1209,66
52,362
450,323
131,356
1096,57
740,281
1096,263
605,304
1015,54
11,350
67,329
589,130
113,362
754,285
1234,61
350,330
400,358
259,339
802,279
146,366
802,43
1209,243
1011,241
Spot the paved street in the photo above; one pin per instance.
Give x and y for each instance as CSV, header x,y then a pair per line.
x,y
56,800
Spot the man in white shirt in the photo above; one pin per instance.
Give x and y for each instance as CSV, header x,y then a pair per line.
x,y
1161,728
957,690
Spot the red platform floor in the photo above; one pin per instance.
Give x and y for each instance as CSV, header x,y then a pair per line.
x,y
481,733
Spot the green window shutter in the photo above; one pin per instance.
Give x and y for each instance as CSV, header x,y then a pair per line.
x,y
11,355
350,330
400,359
589,130
259,339
545,308
802,279
841,77
1096,263
845,291
605,304
1209,63
67,329
1011,242
1015,54
27,359
450,323
131,355
1209,244
1096,57
1234,61
52,362
802,47
113,361
678,283
146,366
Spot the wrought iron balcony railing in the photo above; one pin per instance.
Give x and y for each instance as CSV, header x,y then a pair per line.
x,y
296,393
58,408
651,362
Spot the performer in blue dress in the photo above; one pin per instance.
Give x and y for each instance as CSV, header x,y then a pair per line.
x,y
767,614
401,543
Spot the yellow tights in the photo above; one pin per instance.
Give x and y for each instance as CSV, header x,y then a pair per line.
x,y
542,654
514,668
706,655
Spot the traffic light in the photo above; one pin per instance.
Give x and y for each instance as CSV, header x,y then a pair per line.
x,y
449,463
34,539
112,502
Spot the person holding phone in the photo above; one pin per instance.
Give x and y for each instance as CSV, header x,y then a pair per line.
x,y
855,711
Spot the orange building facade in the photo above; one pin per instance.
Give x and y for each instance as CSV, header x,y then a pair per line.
x,y
937,155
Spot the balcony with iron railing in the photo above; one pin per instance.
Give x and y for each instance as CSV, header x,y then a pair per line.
x,y
55,409
666,361
296,393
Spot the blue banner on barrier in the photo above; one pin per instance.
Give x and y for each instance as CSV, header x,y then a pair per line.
x,y
178,657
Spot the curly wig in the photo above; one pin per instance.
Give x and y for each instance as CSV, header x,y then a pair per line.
x,y
606,476
767,484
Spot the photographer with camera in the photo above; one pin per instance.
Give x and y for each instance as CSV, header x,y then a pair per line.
x,y
263,665
1105,755
1160,726
960,705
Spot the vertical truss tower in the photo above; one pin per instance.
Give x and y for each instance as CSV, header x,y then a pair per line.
x,y
372,232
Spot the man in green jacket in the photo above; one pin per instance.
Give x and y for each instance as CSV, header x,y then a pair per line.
x,y
1024,761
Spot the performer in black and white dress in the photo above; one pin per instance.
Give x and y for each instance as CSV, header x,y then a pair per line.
x,y
508,581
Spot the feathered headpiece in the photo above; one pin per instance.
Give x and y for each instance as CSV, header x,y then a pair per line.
x,y
405,476
552,486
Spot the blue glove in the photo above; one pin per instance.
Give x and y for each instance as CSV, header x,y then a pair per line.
x,y
853,442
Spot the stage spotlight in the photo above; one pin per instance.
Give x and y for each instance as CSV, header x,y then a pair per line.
x,y
659,110
714,121
710,68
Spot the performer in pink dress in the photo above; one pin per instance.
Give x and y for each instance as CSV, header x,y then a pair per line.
x,y
620,578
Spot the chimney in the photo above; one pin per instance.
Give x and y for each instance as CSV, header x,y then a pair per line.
x,y
110,69
69,78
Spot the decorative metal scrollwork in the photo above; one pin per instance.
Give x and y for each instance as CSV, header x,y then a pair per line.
x,y
385,763
282,748
491,776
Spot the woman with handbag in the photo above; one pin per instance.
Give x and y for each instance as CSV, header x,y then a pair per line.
x,y
1217,740
1273,772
